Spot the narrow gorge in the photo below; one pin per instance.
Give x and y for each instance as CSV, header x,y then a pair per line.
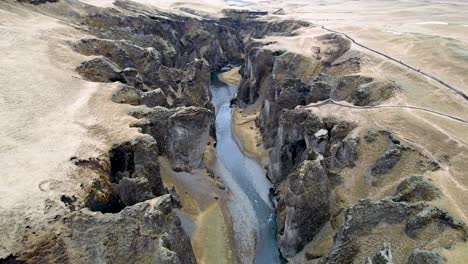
x,y
235,162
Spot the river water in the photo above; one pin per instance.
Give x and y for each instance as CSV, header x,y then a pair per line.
x,y
252,211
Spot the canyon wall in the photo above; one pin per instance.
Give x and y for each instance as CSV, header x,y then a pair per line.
x,y
335,175
162,63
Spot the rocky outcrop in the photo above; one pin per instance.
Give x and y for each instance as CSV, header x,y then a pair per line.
x,y
425,257
416,189
100,70
182,132
154,98
127,95
111,238
147,232
387,161
384,256
362,218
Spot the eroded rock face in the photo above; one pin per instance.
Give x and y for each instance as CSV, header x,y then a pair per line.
x,y
303,206
190,128
182,132
135,170
310,148
110,238
133,176
300,130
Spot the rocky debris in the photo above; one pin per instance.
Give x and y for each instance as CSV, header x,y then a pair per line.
x,y
147,232
100,70
362,218
181,132
431,215
425,257
388,160
303,206
384,256
416,189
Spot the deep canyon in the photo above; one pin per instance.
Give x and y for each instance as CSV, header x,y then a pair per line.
x,y
244,148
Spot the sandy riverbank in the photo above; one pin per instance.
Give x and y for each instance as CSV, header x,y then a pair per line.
x,y
231,77
245,130
248,135
203,214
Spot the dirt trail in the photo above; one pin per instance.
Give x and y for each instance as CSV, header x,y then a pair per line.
x,y
428,75
331,101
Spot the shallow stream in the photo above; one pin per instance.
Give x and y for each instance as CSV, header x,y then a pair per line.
x,y
250,204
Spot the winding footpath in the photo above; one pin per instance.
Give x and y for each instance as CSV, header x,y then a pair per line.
x,y
428,75
331,101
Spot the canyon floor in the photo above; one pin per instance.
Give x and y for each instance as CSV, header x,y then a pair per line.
x,y
339,101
